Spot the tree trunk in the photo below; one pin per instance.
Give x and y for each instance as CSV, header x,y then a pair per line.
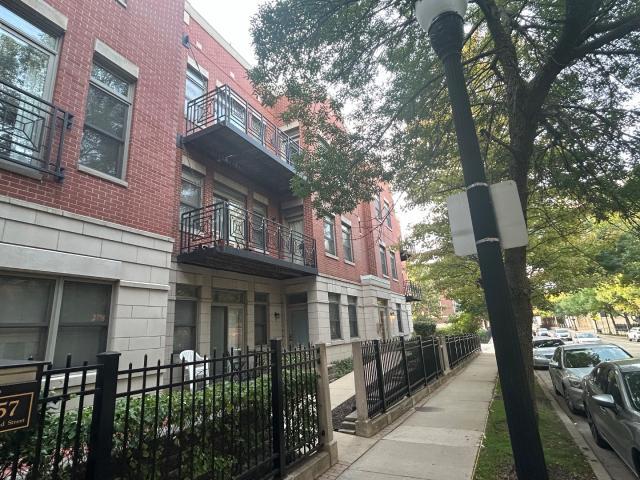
x,y
626,319
613,320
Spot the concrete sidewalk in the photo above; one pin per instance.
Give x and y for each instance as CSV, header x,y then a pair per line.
x,y
342,390
438,440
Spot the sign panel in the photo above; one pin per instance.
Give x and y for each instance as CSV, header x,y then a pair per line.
x,y
17,405
506,204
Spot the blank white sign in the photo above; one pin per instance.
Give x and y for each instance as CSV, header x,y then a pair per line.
x,y
506,203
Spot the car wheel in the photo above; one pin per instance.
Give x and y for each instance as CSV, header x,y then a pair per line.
x,y
601,442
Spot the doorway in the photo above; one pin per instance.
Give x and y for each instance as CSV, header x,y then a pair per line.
x,y
226,329
382,319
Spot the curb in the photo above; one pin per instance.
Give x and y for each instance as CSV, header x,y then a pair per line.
x,y
598,469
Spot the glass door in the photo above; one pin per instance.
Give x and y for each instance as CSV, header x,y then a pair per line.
x,y
298,325
295,239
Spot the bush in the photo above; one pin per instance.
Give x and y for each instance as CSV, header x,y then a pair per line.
x,y
425,328
460,324
343,367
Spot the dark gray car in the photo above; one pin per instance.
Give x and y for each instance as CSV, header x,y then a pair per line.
x,y
612,404
570,363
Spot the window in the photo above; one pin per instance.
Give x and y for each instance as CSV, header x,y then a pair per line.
x,y
399,315
378,207
613,388
196,87
33,326
107,122
260,318
191,192
27,61
334,316
329,236
394,266
386,212
184,328
383,261
347,242
353,316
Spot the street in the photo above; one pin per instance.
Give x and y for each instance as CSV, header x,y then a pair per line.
x,y
611,462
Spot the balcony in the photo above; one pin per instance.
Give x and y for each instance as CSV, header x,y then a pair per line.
x,y
225,237
224,125
412,292
32,131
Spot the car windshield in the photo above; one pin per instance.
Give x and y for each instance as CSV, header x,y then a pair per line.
x,y
586,335
632,381
590,357
547,343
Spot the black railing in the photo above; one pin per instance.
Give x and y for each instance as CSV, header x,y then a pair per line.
x,y
224,106
412,292
225,225
32,131
244,416
394,369
460,347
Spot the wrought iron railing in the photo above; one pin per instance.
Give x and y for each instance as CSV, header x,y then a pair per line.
x,y
224,224
251,415
460,347
224,106
32,131
412,292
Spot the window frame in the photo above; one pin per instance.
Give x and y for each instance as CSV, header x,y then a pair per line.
x,y
52,325
186,298
352,308
393,264
334,300
192,75
377,206
332,224
386,214
195,178
347,242
384,267
127,100
399,319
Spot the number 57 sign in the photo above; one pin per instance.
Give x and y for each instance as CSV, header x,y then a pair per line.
x,y
16,405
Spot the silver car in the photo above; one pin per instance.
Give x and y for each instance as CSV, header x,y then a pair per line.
x,y
543,348
570,363
612,404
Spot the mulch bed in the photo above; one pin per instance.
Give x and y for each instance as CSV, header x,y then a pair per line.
x,y
341,411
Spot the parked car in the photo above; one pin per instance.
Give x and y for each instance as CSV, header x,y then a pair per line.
x,y
582,338
611,396
570,363
543,332
563,333
634,334
543,348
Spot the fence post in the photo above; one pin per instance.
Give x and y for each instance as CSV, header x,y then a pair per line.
x,y
446,366
277,417
104,407
406,365
380,374
325,419
424,363
362,408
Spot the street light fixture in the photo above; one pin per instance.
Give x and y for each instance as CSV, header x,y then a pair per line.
x,y
443,20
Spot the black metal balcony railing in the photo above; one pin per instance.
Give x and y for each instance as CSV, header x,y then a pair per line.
x,y
32,131
225,225
412,292
224,106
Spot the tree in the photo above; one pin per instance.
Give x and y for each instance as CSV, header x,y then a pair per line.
x,y
550,82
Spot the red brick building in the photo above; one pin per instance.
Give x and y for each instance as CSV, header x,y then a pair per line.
x,y
145,203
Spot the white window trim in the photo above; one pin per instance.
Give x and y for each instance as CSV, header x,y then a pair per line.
x,y
108,54
47,12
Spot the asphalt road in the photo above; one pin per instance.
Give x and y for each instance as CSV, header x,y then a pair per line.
x,y
614,466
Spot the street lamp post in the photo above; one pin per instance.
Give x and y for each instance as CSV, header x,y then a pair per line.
x,y
443,20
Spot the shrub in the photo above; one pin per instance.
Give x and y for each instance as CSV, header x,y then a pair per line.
x,y
343,367
424,328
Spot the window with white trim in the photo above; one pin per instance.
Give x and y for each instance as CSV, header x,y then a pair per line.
x,y
49,318
383,261
107,121
334,316
196,87
186,313
386,213
353,316
394,265
329,236
347,242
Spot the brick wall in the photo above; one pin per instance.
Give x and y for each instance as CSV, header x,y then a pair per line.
x,y
148,34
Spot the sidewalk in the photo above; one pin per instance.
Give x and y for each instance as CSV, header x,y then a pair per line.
x,y
438,440
342,390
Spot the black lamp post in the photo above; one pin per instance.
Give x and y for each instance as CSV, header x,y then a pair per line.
x,y
443,20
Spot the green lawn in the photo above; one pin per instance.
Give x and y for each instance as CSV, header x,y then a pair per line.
x,y
564,459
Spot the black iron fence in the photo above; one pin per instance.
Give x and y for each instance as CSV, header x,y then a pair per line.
x,y
394,369
224,106
224,224
251,415
460,347
32,131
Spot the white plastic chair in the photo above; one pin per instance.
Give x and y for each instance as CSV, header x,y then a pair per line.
x,y
193,371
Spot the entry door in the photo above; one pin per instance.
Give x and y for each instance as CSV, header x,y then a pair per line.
x,y
296,225
298,326
226,328
382,321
